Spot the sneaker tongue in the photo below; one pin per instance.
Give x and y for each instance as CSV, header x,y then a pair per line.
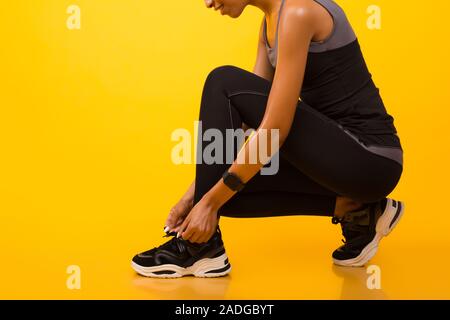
x,y
175,242
360,217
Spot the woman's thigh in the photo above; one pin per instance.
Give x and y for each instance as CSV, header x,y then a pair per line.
x,y
317,146
287,178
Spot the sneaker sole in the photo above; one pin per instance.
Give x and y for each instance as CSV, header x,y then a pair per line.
x,y
204,268
385,224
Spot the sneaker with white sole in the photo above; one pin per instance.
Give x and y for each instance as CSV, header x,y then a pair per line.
x,y
363,229
178,257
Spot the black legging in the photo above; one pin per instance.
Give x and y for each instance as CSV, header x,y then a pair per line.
x,y
317,162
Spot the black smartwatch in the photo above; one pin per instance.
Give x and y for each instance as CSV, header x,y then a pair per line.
x,y
232,181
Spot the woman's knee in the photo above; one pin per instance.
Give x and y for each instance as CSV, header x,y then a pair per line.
x,y
221,77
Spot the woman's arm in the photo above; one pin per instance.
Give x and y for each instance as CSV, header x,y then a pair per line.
x,y
262,67
295,33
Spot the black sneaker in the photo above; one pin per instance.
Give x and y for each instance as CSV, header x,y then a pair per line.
x,y
363,230
178,257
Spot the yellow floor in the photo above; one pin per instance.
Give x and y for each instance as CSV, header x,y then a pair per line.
x,y
278,258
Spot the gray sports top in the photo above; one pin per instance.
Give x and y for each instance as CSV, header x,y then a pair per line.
x,y
341,35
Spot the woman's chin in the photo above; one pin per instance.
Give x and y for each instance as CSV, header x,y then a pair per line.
x,y
231,14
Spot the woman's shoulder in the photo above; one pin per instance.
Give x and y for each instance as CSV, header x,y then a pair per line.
x,y
298,12
300,16
316,11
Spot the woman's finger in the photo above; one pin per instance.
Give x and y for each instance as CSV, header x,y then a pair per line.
x,y
169,220
177,224
201,239
195,237
184,226
207,235
188,232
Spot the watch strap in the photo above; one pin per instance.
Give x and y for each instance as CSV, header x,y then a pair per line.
x,y
232,181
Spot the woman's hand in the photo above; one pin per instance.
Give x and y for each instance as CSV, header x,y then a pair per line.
x,y
178,213
200,224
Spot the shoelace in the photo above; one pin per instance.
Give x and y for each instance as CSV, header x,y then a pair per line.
x,y
177,243
350,227
174,243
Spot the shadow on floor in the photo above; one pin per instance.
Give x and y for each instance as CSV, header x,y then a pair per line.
x,y
184,288
354,286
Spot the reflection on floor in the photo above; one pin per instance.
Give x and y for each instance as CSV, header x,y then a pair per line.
x,y
277,258
185,288
354,285
285,268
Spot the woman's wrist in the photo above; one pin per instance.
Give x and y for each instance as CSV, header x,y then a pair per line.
x,y
211,202
188,201
218,195
188,197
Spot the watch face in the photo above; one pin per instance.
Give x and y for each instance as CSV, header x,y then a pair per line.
x,y
232,181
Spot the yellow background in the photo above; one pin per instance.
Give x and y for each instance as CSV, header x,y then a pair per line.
x,y
85,171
